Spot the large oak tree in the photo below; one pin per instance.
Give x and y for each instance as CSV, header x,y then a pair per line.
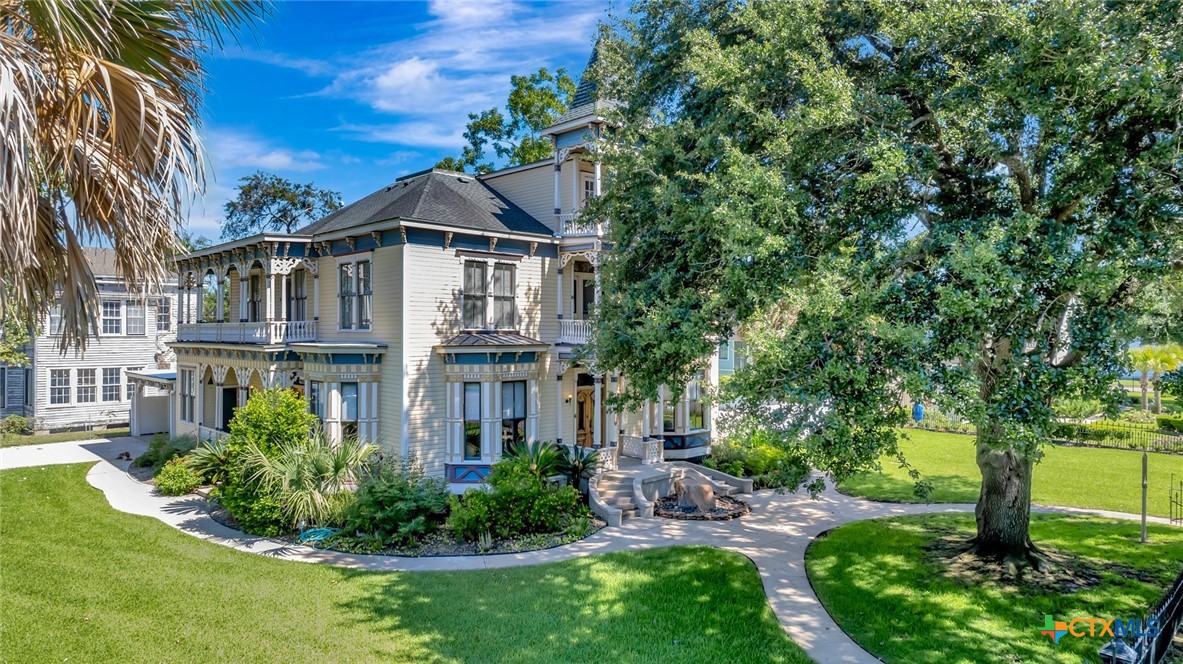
x,y
951,200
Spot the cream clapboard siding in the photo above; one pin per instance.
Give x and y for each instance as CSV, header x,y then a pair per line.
x,y
434,317
105,351
531,189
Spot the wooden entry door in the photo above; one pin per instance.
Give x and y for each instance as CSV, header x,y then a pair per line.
x,y
585,416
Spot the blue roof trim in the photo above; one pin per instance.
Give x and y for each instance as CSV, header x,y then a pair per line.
x,y
485,357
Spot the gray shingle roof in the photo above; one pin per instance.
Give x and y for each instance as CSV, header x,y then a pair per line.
x,y
446,197
101,260
585,103
469,339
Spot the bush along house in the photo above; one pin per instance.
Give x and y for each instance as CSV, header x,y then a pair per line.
x,y
440,316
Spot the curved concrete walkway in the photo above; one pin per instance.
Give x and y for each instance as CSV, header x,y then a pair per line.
x,y
774,537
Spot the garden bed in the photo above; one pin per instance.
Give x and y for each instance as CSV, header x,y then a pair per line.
x,y
442,542
726,508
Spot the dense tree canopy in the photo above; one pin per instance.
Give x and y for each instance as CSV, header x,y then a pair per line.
x,y
956,201
535,102
269,203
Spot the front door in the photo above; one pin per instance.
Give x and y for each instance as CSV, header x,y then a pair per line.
x,y
229,403
585,416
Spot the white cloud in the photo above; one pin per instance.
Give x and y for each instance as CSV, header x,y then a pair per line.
x,y
231,150
413,133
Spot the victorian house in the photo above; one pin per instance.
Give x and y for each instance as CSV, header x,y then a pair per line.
x,y
441,316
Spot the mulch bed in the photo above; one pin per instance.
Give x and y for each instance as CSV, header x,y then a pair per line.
x,y
726,508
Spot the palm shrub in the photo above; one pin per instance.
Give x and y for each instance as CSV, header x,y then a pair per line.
x,y
396,502
211,460
163,449
311,478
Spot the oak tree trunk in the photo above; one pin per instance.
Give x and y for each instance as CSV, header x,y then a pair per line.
x,y
1004,507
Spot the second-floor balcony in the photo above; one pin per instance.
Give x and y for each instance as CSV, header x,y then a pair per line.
x,y
574,225
263,332
574,331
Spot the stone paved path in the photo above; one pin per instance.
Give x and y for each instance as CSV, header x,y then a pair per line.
x,y
774,537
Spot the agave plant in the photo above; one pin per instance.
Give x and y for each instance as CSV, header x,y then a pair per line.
x,y
576,461
99,106
541,457
311,477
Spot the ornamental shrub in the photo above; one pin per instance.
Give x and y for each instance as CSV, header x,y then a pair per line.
x,y
176,478
397,502
517,502
269,420
1170,423
163,449
14,424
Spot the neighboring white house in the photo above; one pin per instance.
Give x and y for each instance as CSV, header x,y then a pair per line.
x,y
91,389
443,315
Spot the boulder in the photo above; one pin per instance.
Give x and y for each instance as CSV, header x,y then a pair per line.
x,y
696,492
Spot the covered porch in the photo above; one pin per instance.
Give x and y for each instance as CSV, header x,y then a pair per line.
x,y
152,402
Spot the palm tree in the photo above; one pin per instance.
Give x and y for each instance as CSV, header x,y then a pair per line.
x,y
1143,359
99,104
1167,358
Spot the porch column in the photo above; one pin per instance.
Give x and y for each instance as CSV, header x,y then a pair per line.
x,y
597,423
221,292
283,297
660,423
558,198
597,182
574,184
218,404
559,409
646,419
133,414
200,300
270,297
184,298
596,267
172,410
243,296
532,410
199,387
316,295
559,301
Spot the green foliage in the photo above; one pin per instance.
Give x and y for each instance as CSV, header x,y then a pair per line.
x,y
1076,409
269,421
395,502
888,199
517,502
758,456
535,102
176,478
211,460
14,425
1170,423
540,458
310,478
163,449
269,203
577,462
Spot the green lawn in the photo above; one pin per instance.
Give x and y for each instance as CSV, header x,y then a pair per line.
x,y
13,440
82,582
1071,476
876,579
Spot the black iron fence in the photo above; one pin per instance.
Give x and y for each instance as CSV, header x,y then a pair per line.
x,y
1176,502
1151,643
1119,435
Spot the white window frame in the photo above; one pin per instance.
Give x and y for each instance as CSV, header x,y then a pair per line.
x,y
513,296
164,307
188,395
118,384
587,188
489,296
55,312
68,386
355,297
92,385
140,306
104,318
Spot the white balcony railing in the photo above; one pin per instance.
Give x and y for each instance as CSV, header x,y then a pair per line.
x,y
571,225
274,332
574,331
649,451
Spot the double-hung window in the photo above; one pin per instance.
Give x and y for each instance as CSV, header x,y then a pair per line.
x,y
112,317
503,297
345,295
299,307
474,296
86,386
472,421
164,314
188,398
59,386
55,319
316,399
695,405
254,298
111,383
135,318
130,387
513,414
364,295
349,415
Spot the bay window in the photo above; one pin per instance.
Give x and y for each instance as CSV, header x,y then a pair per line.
x,y
513,414
472,421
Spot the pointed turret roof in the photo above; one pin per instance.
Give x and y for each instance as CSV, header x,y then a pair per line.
x,y
585,103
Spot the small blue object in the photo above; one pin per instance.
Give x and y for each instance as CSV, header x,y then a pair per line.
x,y
917,411
314,535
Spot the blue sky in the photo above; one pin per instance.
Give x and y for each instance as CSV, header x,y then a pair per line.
x,y
351,95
